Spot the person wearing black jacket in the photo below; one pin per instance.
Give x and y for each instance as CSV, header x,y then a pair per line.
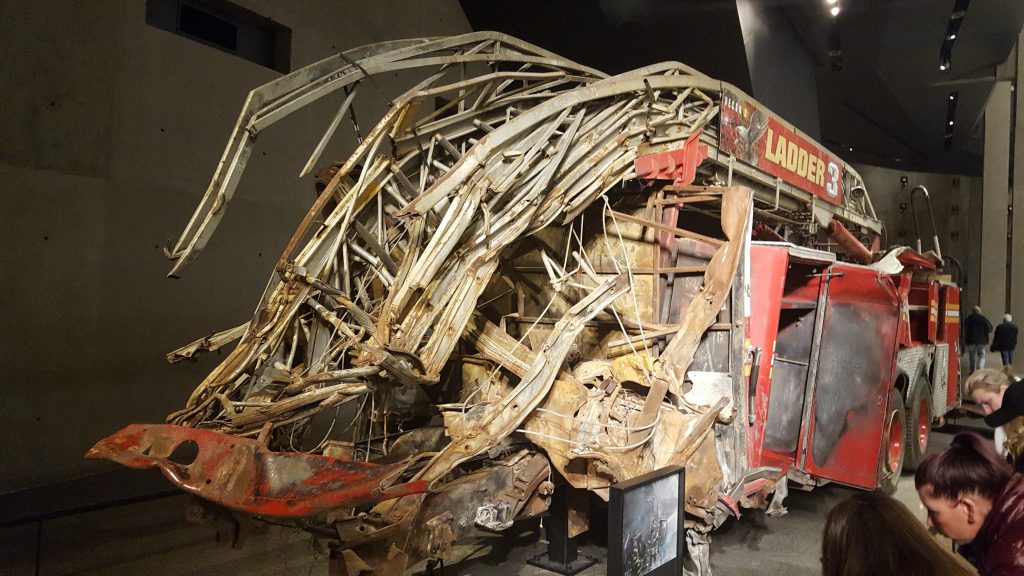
x,y
1000,396
1005,340
976,330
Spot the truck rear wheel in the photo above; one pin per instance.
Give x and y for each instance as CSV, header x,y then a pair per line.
x,y
892,454
919,410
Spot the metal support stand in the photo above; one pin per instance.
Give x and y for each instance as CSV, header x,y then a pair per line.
x,y
561,556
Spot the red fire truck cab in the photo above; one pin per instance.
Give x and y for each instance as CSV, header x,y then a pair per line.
x,y
850,364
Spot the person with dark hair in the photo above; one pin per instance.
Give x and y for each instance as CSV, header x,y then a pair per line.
x,y
976,329
1004,340
974,498
871,534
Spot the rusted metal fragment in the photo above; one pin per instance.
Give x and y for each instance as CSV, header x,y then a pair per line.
x,y
703,478
579,513
502,419
241,474
210,343
737,203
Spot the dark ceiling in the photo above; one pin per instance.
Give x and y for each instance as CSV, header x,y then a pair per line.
x,y
888,102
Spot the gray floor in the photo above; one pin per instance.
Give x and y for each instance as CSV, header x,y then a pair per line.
x,y
152,538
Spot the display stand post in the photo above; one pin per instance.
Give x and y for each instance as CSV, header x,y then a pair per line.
x,y
561,556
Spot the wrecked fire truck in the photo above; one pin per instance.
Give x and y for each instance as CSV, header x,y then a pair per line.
x,y
531,276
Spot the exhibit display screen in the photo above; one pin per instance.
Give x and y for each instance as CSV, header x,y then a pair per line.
x,y
645,532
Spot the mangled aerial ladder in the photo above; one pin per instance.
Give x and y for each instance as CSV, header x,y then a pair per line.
x,y
526,271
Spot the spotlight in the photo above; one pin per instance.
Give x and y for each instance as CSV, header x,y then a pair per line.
x,y
942,66
834,11
831,2
950,122
952,36
951,97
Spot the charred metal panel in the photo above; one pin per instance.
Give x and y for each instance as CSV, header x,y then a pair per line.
x,y
789,380
767,277
854,376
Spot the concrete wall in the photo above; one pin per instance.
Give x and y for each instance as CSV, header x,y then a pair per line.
x,y
781,69
1017,221
111,131
993,262
955,203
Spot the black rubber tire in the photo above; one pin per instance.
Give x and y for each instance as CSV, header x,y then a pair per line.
x,y
889,477
919,413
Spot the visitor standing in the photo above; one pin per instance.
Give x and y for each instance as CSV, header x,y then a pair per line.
x,y
1004,340
976,330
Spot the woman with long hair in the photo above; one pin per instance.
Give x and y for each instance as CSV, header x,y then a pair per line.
x,y
1000,394
871,534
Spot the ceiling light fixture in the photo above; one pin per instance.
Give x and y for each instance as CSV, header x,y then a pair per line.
x,y
952,36
942,66
831,2
950,122
952,97
834,11
835,46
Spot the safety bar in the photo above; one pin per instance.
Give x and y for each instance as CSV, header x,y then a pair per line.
x,y
931,217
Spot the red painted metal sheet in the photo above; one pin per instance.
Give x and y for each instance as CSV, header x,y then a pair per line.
x,y
791,356
754,136
923,298
949,311
905,331
854,376
933,311
767,279
679,165
242,474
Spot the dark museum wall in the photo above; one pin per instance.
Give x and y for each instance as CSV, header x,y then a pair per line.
x,y
782,74
112,129
615,36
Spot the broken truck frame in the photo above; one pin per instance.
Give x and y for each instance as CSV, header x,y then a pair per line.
x,y
530,273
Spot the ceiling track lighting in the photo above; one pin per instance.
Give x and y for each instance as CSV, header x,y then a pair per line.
x,y
951,103
956,18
